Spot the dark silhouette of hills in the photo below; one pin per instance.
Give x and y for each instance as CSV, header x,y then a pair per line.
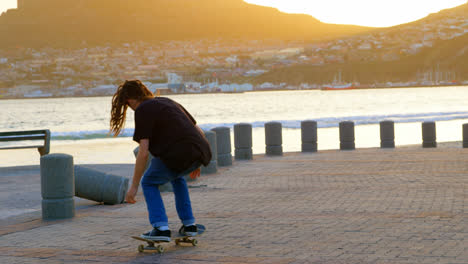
x,y
68,22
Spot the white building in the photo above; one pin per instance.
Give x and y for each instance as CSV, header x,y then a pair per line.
x,y
235,88
174,78
254,72
365,46
232,60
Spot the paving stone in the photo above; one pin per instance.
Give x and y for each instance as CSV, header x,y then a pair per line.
x,y
405,205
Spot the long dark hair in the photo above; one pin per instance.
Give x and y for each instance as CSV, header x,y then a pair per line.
x,y
133,89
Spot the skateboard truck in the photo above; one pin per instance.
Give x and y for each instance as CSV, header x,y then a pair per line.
x,y
151,245
189,240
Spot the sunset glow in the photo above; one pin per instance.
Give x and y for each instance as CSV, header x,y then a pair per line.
x,y
373,13
7,4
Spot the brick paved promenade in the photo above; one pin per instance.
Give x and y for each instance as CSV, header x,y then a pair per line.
x,y
408,205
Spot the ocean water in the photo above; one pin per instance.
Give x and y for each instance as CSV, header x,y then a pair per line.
x,y
83,119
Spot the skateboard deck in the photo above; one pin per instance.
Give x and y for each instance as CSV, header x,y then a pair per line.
x,y
179,238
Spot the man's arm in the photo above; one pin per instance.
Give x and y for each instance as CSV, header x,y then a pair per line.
x,y
196,173
140,166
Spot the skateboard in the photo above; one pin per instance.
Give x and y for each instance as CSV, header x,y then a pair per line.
x,y
179,239
152,245
190,239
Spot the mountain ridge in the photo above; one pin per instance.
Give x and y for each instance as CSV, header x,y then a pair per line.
x,y
118,21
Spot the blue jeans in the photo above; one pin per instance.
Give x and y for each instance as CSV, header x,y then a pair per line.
x,y
158,174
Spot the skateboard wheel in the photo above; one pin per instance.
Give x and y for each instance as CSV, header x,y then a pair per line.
x,y
141,248
194,242
160,249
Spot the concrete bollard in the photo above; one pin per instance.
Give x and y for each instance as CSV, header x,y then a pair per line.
x,y
347,135
387,134
223,143
162,188
309,136
243,141
429,135
57,186
100,186
213,166
465,135
273,139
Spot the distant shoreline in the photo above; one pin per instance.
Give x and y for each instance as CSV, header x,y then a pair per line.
x,y
260,90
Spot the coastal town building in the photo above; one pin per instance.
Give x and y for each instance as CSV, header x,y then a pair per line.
x,y
210,65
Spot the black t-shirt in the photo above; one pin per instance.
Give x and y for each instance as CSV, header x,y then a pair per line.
x,y
172,134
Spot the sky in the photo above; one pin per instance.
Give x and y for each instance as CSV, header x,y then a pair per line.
x,y
7,4
373,13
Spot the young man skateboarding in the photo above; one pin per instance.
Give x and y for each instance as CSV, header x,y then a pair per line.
x,y
166,130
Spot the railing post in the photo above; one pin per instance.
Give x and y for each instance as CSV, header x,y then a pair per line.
x,y
100,186
347,135
429,135
387,134
57,186
309,136
223,143
465,135
243,141
213,166
273,139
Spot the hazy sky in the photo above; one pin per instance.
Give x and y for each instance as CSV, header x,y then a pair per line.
x,y
376,13
7,4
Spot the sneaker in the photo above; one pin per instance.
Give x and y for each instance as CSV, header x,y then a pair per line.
x,y
157,235
191,230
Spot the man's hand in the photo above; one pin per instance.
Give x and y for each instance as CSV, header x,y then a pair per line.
x,y
140,166
195,174
131,193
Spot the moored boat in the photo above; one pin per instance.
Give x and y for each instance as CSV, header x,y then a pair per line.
x,y
346,86
338,84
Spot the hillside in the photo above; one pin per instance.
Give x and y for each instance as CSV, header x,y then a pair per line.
x,y
443,14
437,44
444,56
116,21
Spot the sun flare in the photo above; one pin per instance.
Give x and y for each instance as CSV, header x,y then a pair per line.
x,y
373,13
